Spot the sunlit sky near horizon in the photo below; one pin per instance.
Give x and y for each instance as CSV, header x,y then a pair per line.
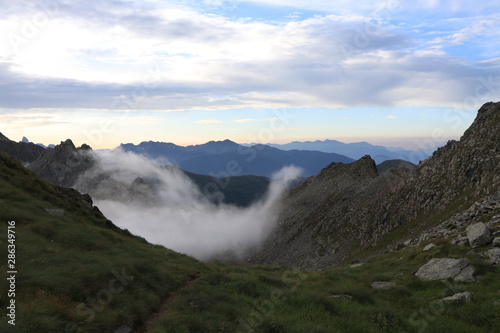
x,y
398,73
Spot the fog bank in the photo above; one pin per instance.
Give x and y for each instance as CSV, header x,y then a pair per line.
x,y
165,207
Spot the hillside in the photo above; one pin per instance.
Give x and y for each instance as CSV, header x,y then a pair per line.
x,y
77,272
320,217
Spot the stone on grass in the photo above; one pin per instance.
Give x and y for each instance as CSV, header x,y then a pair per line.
x,y
478,234
446,268
459,298
429,247
383,285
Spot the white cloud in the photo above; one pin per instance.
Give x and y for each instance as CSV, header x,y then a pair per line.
x,y
153,56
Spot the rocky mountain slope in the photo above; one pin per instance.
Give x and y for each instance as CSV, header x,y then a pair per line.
x,y
23,152
349,212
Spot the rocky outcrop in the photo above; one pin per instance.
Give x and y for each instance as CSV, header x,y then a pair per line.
x,y
64,163
23,152
350,208
478,235
446,268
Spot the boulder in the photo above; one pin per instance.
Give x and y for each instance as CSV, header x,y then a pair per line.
x,y
446,268
496,242
429,247
459,298
383,285
494,255
478,234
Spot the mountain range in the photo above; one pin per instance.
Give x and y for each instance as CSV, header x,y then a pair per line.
x,y
359,149
227,158
356,249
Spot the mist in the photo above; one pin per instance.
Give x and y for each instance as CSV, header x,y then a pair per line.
x,y
165,207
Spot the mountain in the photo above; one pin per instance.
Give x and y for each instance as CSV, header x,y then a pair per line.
x,y
386,165
227,158
24,152
261,160
176,154
350,210
64,163
78,272
357,150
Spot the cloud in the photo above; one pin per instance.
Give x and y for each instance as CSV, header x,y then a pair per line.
x,y
392,117
166,207
209,121
130,55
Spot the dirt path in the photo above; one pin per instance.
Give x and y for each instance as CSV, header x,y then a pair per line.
x,y
164,308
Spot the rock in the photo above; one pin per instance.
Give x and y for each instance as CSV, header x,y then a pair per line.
x,y
494,255
459,298
57,212
460,241
383,285
478,234
445,268
466,275
429,247
356,265
496,242
497,302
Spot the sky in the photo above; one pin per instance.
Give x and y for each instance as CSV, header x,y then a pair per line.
x,y
397,73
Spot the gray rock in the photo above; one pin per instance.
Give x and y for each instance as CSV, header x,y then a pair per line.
x,y
494,255
383,285
466,275
356,265
57,212
429,247
445,268
459,298
460,241
478,234
496,242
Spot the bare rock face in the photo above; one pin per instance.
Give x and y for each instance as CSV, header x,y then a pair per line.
x,y
478,235
446,268
64,163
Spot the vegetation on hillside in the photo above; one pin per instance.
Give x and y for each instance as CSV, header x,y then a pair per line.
x,y
77,272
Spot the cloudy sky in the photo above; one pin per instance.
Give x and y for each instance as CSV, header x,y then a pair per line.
x,y
398,72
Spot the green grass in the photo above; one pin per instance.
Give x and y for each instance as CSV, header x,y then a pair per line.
x,y
80,273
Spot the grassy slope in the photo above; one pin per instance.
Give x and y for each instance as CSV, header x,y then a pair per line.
x,y
65,263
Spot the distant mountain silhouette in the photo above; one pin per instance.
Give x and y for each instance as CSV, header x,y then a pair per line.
x,y
227,158
357,150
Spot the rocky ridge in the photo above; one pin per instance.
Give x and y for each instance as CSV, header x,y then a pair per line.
x,y
23,152
348,212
